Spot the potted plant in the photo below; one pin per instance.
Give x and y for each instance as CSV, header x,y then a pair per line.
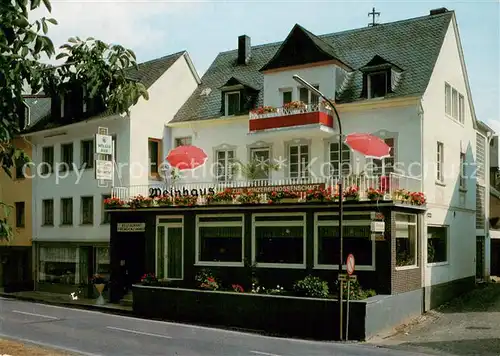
x,y
319,195
264,110
113,203
140,201
401,195
295,106
256,169
186,200
149,279
99,284
374,194
224,197
206,280
417,198
248,197
282,196
164,200
351,193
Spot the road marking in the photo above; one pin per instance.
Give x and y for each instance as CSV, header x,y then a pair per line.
x,y
34,314
263,353
138,332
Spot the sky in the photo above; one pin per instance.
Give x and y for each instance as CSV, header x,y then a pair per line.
x,y
155,28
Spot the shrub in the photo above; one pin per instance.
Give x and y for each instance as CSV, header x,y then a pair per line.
x,y
206,280
312,287
356,292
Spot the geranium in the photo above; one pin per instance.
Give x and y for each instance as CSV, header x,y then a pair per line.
x,y
417,198
319,194
149,278
295,105
248,197
141,201
277,196
186,200
402,194
264,110
374,194
237,288
164,200
226,195
352,192
113,202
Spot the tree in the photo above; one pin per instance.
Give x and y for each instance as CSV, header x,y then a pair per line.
x,y
99,68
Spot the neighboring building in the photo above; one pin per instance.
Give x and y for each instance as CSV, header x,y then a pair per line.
x,y
16,192
411,89
70,227
494,207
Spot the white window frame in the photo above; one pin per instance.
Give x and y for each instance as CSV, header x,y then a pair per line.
x,y
282,91
440,162
262,149
332,222
164,225
219,224
61,208
461,108
454,109
340,161
447,99
181,139
415,265
444,263
462,177
383,163
227,177
284,223
369,84
226,101
309,93
300,174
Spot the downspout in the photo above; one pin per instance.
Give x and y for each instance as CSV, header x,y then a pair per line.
x,y
423,225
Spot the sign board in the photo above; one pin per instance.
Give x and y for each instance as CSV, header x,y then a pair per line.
x,y
103,144
298,188
131,227
346,277
103,170
377,226
350,264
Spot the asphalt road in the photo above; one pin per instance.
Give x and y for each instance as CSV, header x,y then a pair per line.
x,y
93,333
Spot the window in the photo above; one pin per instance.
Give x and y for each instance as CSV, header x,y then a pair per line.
x,y
48,159
48,212
384,167
377,85
461,109
286,97
106,216
232,103
454,103
58,265
102,264
357,239
299,161
308,97
406,240
154,157
437,244
87,210
87,154
335,161
279,240
67,157
261,158
480,157
447,98
20,217
219,239
463,172
225,165
440,162
183,141
67,211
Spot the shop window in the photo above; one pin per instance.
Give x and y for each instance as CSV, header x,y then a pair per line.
x,y
406,240
58,265
102,264
437,244
219,239
279,240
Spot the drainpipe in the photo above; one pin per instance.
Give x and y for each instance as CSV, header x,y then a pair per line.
x,y
423,223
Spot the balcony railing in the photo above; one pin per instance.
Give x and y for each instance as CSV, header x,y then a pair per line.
x,y
387,184
286,117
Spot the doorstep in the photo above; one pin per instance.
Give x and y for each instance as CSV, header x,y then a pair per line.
x,y
65,300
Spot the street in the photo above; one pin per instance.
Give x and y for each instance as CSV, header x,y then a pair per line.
x,y
93,333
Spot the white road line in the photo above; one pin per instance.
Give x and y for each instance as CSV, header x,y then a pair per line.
x,y
263,353
138,332
34,314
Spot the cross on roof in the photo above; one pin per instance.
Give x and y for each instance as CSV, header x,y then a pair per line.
x,y
373,14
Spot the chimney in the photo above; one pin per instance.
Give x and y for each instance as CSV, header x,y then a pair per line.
x,y
441,10
244,49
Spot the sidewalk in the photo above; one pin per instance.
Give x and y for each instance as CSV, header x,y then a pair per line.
x,y
65,300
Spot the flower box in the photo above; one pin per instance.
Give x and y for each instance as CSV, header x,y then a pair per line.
x,y
248,197
220,202
282,196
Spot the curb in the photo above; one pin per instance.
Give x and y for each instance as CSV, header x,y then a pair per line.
x,y
92,307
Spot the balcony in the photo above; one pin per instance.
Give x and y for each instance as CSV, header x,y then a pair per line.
x,y
388,185
299,116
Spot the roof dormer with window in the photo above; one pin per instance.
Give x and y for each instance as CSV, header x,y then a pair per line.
x,y
238,97
380,77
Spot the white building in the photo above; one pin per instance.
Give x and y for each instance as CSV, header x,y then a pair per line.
x,y
70,227
405,82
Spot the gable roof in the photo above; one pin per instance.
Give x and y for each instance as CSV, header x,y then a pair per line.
x,y
412,45
147,73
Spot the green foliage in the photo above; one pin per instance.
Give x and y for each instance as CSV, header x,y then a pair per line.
x,y
254,169
312,287
356,292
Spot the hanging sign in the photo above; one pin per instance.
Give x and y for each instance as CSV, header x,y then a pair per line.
x,y
103,170
103,144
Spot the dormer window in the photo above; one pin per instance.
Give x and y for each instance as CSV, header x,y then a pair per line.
x,y
232,103
377,84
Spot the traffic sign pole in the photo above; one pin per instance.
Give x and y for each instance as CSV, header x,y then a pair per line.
x,y
350,264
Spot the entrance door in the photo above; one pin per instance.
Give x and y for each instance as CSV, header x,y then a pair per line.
x,y
170,248
133,257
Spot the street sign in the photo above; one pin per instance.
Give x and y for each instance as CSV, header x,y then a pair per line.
x,y
350,264
103,170
377,226
103,144
346,277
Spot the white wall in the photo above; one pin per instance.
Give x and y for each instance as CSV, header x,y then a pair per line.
x,y
324,76
148,118
448,206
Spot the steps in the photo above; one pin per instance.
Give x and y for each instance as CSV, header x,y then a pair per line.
x,y
127,299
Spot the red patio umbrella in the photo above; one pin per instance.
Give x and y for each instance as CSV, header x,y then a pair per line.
x,y
368,145
186,157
